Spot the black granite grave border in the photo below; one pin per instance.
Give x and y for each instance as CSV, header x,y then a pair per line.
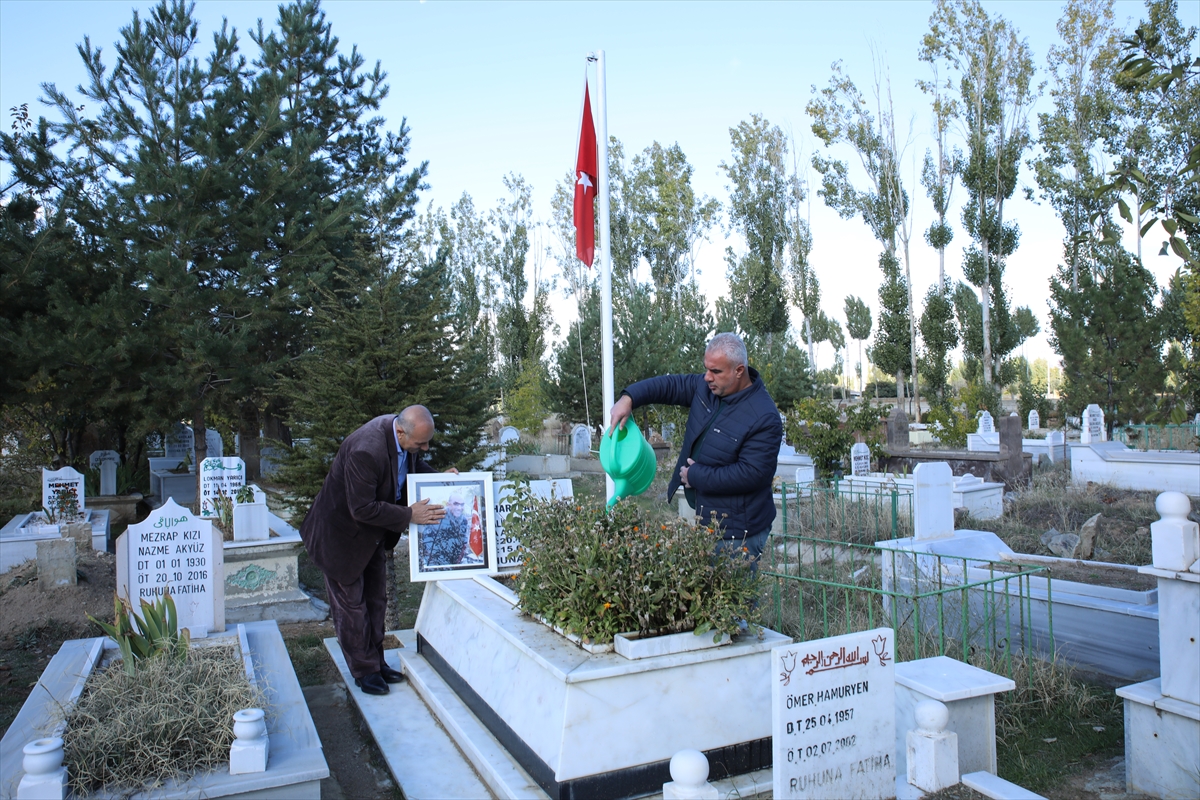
x,y
735,759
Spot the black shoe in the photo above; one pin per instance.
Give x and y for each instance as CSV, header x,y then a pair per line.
x,y
371,684
390,675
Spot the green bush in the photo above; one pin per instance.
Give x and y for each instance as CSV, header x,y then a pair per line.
x,y
815,427
597,574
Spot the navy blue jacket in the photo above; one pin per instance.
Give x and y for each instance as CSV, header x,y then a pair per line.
x,y
737,459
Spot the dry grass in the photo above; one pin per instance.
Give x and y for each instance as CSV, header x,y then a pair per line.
x,y
175,716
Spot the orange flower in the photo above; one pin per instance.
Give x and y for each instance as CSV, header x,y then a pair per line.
x,y
608,605
635,528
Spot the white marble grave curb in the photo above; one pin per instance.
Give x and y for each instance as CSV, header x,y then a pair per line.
x,y
436,748
1148,471
19,543
297,763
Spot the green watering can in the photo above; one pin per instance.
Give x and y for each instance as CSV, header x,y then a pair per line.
x,y
628,459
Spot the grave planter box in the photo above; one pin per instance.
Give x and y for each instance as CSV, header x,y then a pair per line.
x,y
634,646
595,725
178,486
1151,471
122,508
296,765
1074,612
19,538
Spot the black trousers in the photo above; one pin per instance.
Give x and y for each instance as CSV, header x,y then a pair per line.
x,y
359,610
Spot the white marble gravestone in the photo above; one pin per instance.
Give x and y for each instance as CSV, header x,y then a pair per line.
x,y
219,476
860,460
506,545
581,441
100,456
933,502
66,479
172,550
833,714
509,434
216,445
1035,420
108,478
1093,425
181,442
986,423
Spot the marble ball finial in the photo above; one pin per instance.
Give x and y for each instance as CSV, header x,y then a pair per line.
x,y
1173,505
689,767
931,716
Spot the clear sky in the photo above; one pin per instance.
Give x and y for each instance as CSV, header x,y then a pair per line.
x,y
495,88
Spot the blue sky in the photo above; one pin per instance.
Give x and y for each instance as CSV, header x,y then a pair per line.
x,y
494,88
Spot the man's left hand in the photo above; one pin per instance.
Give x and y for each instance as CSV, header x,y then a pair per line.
x,y
683,471
453,470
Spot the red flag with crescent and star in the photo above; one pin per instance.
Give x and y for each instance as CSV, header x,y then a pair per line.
x,y
585,186
476,537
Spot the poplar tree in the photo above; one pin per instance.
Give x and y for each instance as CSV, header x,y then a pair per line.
x,y
994,70
858,326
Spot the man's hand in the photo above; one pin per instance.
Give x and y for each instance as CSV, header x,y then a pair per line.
x,y
683,473
620,412
425,513
453,470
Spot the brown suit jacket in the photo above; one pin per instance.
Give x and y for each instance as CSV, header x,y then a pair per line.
x,y
357,508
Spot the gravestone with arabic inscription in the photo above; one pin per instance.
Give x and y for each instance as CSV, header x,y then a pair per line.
x,y
986,423
176,551
219,476
59,485
833,714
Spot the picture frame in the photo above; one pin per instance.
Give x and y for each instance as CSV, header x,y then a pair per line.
x,y
463,544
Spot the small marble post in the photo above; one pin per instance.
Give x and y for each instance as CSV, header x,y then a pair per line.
x,y
248,753
689,773
56,563
932,751
45,777
933,502
1175,539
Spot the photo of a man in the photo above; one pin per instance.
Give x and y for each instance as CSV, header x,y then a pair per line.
x,y
459,541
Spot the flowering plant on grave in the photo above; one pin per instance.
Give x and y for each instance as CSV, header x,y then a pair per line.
x,y
596,574
64,506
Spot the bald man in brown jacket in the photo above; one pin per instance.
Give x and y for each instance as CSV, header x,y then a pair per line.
x,y
359,514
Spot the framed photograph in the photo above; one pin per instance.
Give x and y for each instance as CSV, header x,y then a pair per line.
x,y
463,544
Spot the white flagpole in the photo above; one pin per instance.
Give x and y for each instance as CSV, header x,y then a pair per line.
x,y
606,330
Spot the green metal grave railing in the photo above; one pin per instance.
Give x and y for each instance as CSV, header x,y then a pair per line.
x,y
1159,437
975,610
826,510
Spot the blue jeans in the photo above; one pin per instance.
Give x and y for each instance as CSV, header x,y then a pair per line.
x,y
753,548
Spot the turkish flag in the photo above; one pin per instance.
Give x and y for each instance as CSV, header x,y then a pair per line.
x,y
476,538
585,186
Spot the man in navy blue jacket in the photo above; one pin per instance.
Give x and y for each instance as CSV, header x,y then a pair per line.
x,y
731,444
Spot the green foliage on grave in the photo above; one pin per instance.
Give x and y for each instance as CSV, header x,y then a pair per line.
x,y
157,631
595,573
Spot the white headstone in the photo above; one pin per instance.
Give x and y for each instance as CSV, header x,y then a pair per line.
x,y
216,446
933,502
509,434
833,714
181,442
506,546
98,457
1035,420
172,550
860,460
1093,425
108,478
986,423
1054,440
581,441
67,480
219,476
